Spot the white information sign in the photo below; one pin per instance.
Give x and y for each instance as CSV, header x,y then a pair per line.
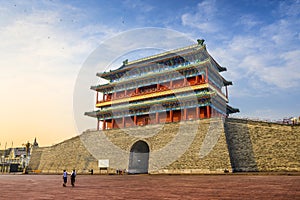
x,y
103,163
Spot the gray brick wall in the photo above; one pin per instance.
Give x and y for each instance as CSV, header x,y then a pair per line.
x,y
263,146
201,146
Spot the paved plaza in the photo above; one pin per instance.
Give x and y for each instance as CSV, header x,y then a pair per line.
x,y
151,187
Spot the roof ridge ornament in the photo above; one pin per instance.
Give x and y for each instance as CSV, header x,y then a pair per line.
x,y
200,42
125,62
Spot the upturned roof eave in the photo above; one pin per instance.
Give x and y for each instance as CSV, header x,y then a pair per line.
x,y
91,113
231,110
225,82
220,68
136,63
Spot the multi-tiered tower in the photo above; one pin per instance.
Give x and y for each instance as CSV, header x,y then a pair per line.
x,y
182,84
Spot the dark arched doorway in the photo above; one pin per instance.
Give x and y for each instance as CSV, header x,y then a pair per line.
x,y
139,158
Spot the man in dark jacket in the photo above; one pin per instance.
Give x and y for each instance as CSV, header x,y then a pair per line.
x,y
73,175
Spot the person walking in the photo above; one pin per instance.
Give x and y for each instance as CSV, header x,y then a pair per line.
x,y
73,175
65,178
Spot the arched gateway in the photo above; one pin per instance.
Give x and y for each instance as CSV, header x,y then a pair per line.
x,y
139,158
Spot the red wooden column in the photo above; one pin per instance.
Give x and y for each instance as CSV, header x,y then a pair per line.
x,y
171,115
202,79
171,84
197,112
207,111
97,97
135,119
185,114
104,125
157,117
184,81
202,113
137,90
157,86
112,123
197,79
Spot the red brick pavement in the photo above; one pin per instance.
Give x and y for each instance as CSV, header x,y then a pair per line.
x,y
151,187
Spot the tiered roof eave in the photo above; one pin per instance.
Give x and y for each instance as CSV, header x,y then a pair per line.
x,y
137,63
99,88
226,83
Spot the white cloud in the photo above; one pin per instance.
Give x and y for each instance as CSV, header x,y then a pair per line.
x,y
248,21
285,76
268,59
260,67
282,32
289,8
208,8
203,19
138,5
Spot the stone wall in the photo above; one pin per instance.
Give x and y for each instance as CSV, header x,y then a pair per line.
x,y
186,147
263,146
199,146
67,155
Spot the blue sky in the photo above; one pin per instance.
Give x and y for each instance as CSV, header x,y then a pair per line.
x,y
45,43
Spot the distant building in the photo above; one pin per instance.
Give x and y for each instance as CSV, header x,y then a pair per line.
x,y
17,152
17,158
291,120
